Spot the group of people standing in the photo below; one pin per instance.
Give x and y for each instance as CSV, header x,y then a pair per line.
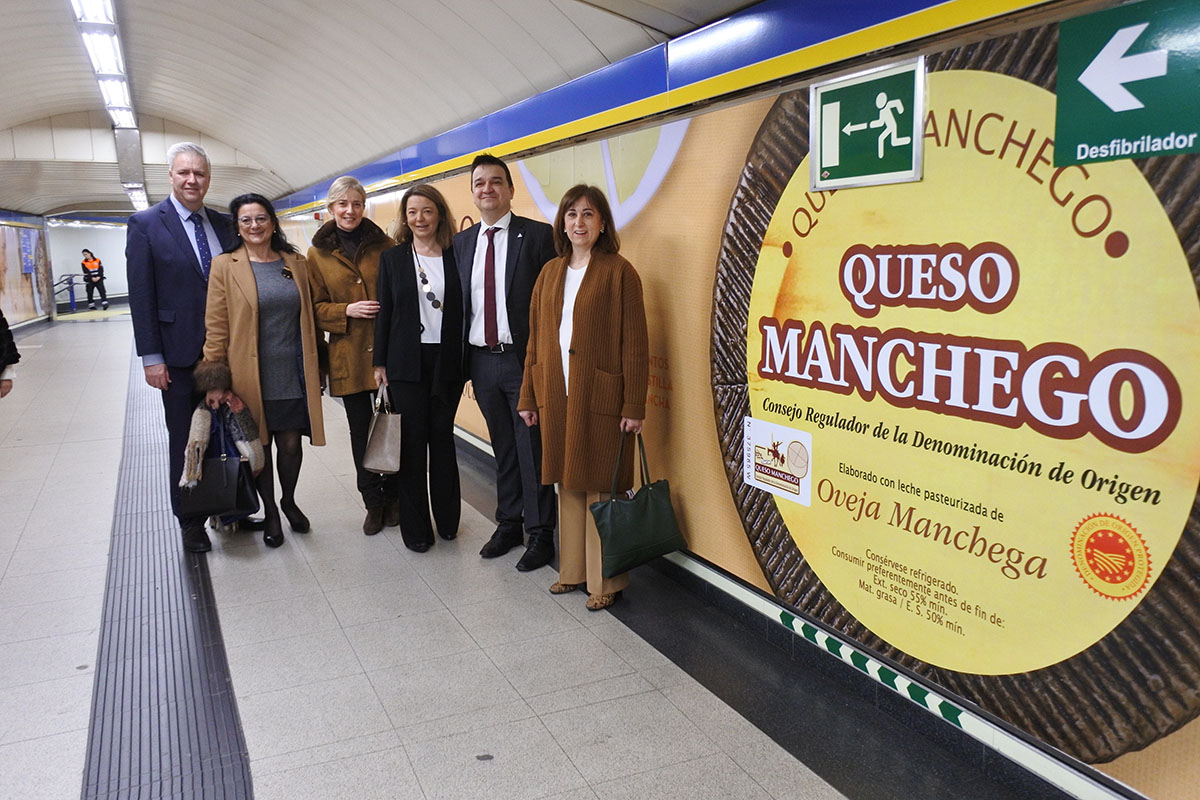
x,y
547,322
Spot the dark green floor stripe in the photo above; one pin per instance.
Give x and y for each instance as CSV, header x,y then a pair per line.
x,y
164,719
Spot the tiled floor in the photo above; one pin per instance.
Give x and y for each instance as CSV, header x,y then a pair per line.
x,y
60,443
361,669
358,663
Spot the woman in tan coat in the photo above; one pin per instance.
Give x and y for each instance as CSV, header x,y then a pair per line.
x,y
586,372
261,342
343,267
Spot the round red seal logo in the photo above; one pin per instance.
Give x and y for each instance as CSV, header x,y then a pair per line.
x,y
1110,556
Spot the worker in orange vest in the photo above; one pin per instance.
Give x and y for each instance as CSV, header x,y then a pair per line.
x,y
93,278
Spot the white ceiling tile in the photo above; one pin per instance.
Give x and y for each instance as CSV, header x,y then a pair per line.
x,y
286,94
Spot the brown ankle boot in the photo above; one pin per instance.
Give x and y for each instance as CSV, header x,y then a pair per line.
x,y
373,524
391,514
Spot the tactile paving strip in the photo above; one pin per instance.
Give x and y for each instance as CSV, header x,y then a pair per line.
x,y
164,718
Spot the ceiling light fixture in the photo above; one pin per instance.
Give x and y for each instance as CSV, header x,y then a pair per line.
x,y
122,117
116,92
137,196
98,11
105,51
96,21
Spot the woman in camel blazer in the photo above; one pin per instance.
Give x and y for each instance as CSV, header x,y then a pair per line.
x,y
261,343
586,375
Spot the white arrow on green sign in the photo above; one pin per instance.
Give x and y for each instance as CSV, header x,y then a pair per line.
x,y
1129,83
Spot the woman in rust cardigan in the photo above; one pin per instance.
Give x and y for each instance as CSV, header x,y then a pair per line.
x,y
344,275
585,379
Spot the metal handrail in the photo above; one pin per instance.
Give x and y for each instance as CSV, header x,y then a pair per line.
x,y
68,282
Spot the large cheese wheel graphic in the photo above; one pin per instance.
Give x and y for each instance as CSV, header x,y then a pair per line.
x,y
996,365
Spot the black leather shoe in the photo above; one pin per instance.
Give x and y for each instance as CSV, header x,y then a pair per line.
x,y
272,532
501,542
195,539
449,536
419,547
391,514
538,553
295,518
251,524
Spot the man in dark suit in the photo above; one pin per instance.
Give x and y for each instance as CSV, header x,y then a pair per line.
x,y
168,249
498,261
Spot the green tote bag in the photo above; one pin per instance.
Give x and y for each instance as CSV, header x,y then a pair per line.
x,y
634,530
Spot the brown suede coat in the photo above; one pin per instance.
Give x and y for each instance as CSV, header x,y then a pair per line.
x,y
610,366
231,341
336,282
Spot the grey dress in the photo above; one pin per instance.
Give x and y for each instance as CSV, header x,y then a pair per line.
x,y
279,351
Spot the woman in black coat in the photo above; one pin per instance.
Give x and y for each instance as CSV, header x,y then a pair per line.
x,y
8,357
418,357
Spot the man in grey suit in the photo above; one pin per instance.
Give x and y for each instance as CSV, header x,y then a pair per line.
x,y
498,262
168,249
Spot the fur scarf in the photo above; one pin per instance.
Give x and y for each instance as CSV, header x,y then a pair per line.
x,y
209,375
240,427
326,237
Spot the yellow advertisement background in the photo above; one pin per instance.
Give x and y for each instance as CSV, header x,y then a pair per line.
x,y
673,244
1070,291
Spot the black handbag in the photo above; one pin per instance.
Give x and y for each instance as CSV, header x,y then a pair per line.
x,y
634,530
226,486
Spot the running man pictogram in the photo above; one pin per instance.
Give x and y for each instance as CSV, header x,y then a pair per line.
x,y
888,109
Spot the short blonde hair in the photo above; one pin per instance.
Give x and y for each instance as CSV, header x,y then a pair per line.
x,y
342,187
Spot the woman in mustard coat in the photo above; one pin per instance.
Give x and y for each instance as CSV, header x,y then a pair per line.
x,y
343,267
586,374
261,343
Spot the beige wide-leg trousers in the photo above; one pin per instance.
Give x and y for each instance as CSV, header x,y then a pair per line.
x,y
579,557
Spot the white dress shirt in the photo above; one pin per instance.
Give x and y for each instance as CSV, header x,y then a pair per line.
x,y
500,244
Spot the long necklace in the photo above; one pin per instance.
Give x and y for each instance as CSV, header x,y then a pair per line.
x,y
433,301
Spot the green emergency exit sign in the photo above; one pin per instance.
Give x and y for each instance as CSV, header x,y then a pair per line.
x,y
865,129
1129,83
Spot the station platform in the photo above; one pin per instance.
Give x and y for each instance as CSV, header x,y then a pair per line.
x,y
341,665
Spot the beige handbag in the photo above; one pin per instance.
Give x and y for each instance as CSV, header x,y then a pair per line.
x,y
383,438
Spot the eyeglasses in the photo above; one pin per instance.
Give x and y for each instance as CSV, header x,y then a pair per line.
x,y
246,222
287,273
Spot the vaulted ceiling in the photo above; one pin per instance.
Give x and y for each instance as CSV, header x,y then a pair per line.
x,y
285,94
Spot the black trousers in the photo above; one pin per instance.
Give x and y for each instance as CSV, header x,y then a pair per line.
x,y
427,444
521,499
179,401
376,490
91,290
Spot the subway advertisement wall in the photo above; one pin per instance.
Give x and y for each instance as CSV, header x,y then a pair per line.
x,y
952,419
25,285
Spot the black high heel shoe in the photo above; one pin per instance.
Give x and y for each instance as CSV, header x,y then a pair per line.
x,y
295,518
272,532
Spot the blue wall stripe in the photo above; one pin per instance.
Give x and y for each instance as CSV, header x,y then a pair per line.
x,y
774,28
764,31
18,218
628,80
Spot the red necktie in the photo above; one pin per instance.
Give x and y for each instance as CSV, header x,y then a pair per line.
x,y
490,336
